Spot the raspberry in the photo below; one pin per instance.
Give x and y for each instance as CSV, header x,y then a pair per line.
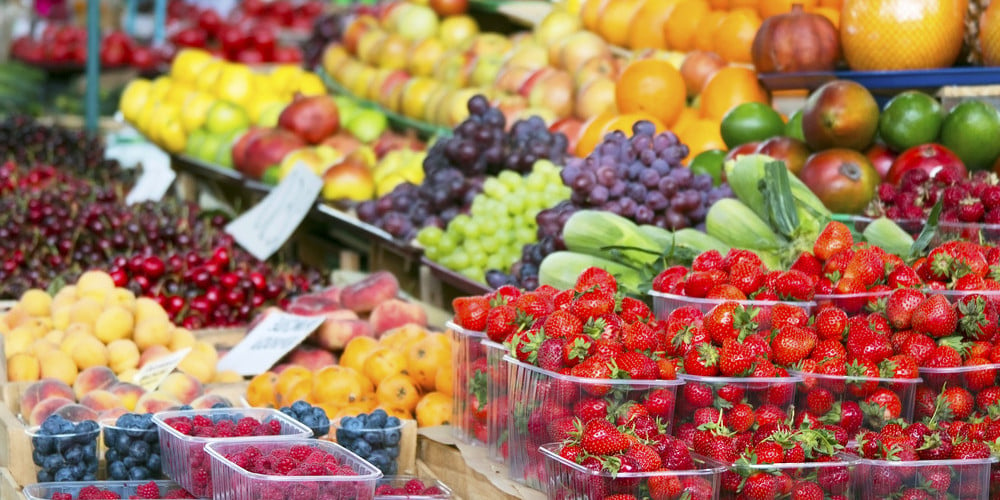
x,y
316,457
413,487
200,477
182,425
251,452
431,491
62,496
300,452
204,431
89,493
284,465
272,492
383,489
177,493
239,459
312,470
148,490
203,421
109,495
275,427
246,426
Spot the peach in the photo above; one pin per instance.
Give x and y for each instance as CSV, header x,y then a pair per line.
x,y
76,413
153,352
227,377
112,414
128,392
364,295
122,297
44,389
18,340
94,281
46,407
123,355
128,375
335,334
101,400
92,379
23,367
147,308
206,401
114,323
150,332
393,313
60,366
311,357
36,302
90,352
181,338
199,365
85,310
182,386
64,297
60,316
156,401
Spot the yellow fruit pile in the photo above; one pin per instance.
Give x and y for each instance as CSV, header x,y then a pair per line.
x,y
407,372
93,323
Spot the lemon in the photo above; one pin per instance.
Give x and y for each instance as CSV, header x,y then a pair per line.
x,y
208,76
189,63
136,94
311,84
285,77
236,84
196,110
159,89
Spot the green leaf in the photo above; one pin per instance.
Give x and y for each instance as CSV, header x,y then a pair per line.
x,y
927,233
778,199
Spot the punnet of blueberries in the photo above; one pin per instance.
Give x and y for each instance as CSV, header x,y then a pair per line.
x,y
65,451
132,448
311,416
374,437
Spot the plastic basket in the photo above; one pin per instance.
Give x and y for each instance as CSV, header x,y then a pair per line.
x,y
665,303
399,481
49,452
852,303
855,390
116,444
232,482
184,458
835,478
468,356
497,407
880,479
975,232
537,397
124,489
755,391
378,445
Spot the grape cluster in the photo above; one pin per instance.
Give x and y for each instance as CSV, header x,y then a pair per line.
x,y
455,168
641,178
524,272
326,28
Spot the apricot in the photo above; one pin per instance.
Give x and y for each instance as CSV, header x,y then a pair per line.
x,y
85,310
94,281
90,352
36,302
44,389
60,316
227,377
399,391
383,363
149,309
55,336
425,358
41,346
181,338
18,340
64,297
123,355
46,407
114,323
129,394
260,390
122,297
338,385
357,351
156,401
128,375
434,409
444,380
60,366
150,332
200,362
76,331
93,378
23,367
182,386
101,400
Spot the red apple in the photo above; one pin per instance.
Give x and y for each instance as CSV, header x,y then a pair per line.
x,y
742,149
312,118
268,150
881,157
843,179
144,58
283,10
239,149
391,141
787,149
209,21
930,157
116,50
264,41
190,37
343,142
350,179
233,39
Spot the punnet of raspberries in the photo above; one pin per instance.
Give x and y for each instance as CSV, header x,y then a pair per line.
x,y
406,487
149,490
969,199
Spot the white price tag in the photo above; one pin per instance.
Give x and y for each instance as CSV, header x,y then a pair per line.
x,y
156,178
151,375
271,339
266,226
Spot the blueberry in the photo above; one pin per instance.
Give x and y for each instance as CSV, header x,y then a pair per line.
x,y
392,422
65,427
89,458
117,471
44,445
153,463
375,438
90,476
87,426
301,407
130,462
139,450
37,457
146,419
361,447
352,427
377,419
53,461
220,404
363,419
51,425
43,476
152,437
380,459
77,471
391,469
392,437
392,451
138,473
73,455
110,435
122,443
287,410
185,408
135,432
112,455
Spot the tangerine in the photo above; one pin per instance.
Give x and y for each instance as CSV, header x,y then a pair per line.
x,y
728,88
681,26
734,35
592,132
616,18
989,34
702,135
687,117
828,12
703,38
625,123
879,35
590,14
770,8
651,86
646,30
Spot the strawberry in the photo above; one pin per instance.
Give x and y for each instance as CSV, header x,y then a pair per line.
x,y
736,255
739,418
981,378
709,260
660,403
970,450
600,437
637,365
794,285
865,266
501,322
505,295
702,360
792,344
725,292
590,408
593,368
834,237
667,279
471,312
606,349
550,354
596,278
900,306
903,277
562,428
575,349
808,264
729,320
646,458
746,276
819,401
934,316
959,401
561,324
760,486
697,284
735,358
831,323
633,310
533,306
946,355
697,395
988,397
881,406
769,452
592,304
664,486
900,366
977,317
640,337
788,315
828,349
807,490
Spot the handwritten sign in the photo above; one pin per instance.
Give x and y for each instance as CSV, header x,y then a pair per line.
x,y
155,180
151,375
266,226
268,342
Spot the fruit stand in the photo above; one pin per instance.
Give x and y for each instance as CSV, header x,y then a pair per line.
x,y
601,249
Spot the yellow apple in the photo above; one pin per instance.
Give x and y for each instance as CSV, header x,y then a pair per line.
x,y
196,109
236,84
189,63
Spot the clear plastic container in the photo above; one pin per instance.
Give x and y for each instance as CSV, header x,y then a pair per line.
x,y
232,482
881,479
755,391
974,378
379,446
497,407
468,356
567,479
538,397
665,303
184,458
852,303
844,389
121,442
858,223
835,478
956,295
966,231
124,489
400,481
55,455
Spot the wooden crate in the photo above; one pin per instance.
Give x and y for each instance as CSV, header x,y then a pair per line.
x,y
467,470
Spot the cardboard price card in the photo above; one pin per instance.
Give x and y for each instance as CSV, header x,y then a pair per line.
x,y
268,342
265,227
152,374
156,177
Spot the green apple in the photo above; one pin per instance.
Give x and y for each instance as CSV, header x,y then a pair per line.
x,y
194,141
225,117
346,108
269,114
367,125
224,156
210,148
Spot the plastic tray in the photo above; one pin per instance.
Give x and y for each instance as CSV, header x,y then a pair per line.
x,y
956,295
376,439
755,391
937,378
665,303
398,481
232,482
85,442
537,396
44,491
852,303
969,478
184,456
967,231
110,432
858,223
836,478
855,390
566,479
468,357
497,409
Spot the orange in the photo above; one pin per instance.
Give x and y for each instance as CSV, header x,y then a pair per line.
x,y
425,358
383,363
646,30
626,121
434,409
833,4
701,136
590,13
828,12
652,86
260,390
357,351
687,117
901,34
615,19
770,8
719,4
683,22
703,38
989,34
734,35
728,88
592,132
398,391
747,4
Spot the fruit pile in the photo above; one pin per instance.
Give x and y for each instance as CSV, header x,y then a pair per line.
x,y
455,168
310,416
500,222
67,44
412,487
147,490
374,437
295,460
524,272
738,275
964,198
133,448
65,451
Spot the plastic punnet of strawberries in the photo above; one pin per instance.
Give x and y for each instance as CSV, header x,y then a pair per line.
x,y
738,275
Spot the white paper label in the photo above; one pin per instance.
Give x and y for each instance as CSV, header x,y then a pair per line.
x,y
268,342
265,227
155,180
151,375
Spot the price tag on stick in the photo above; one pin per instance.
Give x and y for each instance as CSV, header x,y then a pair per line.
x,y
268,342
156,177
152,374
266,226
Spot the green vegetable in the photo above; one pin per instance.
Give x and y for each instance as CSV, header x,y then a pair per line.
x,y
736,225
888,235
591,232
